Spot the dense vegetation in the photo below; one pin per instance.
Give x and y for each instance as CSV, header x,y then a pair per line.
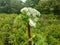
x,y
47,31
13,31
44,6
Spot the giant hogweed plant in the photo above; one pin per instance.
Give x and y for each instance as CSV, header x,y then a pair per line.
x,y
29,16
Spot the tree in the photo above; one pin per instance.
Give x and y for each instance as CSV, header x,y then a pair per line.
x,y
48,6
10,6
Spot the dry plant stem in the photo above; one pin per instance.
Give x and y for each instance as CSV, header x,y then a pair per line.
x,y
29,36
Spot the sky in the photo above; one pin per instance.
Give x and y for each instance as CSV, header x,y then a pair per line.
x,y
23,1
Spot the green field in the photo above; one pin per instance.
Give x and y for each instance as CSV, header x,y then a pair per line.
x,y
47,31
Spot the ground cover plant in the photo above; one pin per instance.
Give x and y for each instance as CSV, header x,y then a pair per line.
x,y
47,31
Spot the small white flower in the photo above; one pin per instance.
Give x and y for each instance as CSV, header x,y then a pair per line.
x,y
23,1
38,13
28,13
34,14
32,23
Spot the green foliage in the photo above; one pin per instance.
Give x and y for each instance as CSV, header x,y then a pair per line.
x,y
48,6
14,6
10,6
47,31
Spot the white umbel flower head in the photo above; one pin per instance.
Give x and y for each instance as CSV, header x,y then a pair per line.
x,y
31,11
33,15
28,13
32,23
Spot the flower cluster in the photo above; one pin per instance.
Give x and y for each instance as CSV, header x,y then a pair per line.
x,y
30,11
33,15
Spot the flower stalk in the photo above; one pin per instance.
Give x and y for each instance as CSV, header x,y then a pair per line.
x,y
29,36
